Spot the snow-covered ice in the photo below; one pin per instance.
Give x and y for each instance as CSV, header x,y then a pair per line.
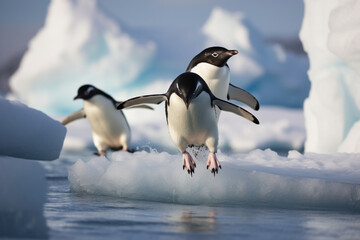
x,y
258,178
330,35
29,133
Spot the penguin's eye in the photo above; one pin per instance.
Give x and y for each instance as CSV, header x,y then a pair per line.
x,y
198,89
178,88
89,90
215,54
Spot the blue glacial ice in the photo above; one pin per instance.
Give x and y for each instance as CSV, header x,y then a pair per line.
x,y
330,35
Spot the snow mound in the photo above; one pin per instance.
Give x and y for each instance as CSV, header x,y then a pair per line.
x,y
29,133
23,191
257,178
274,76
330,35
78,44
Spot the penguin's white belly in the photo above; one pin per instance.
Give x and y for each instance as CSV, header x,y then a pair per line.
x,y
192,126
109,126
217,78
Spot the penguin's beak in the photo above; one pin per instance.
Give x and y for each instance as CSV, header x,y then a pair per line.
x,y
228,54
187,100
232,52
77,97
187,105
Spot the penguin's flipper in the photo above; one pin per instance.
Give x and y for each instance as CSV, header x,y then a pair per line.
x,y
240,95
74,116
140,101
226,106
137,106
142,106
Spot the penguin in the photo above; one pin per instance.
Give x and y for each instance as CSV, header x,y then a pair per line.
x,y
211,65
110,129
191,117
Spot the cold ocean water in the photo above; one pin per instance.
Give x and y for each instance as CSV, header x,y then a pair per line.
x,y
74,214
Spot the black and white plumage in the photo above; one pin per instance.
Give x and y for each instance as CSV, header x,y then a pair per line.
x,y
211,65
191,117
110,129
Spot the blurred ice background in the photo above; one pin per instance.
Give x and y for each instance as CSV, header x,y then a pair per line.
x,y
81,42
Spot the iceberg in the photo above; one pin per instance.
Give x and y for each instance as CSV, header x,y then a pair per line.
x,y
330,35
78,44
26,134
274,76
29,133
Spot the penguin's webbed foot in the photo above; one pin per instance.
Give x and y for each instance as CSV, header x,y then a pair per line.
x,y
131,150
101,153
124,149
188,163
213,163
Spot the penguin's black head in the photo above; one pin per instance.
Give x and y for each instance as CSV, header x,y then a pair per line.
x,y
86,92
188,86
217,56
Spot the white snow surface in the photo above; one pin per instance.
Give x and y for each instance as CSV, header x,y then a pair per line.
x,y
331,37
273,75
29,133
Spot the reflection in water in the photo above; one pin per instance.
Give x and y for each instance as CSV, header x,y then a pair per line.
x,y
191,222
333,226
